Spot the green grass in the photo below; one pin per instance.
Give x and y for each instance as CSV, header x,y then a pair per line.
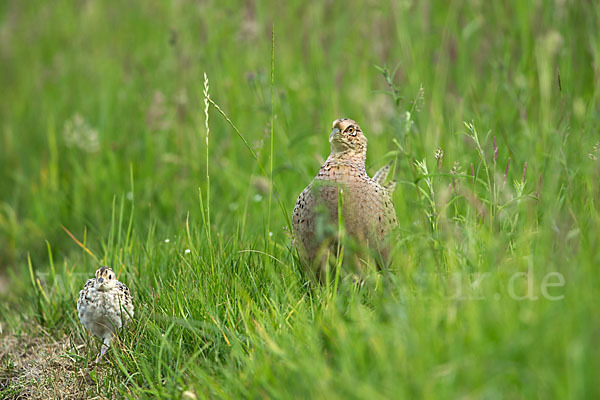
x,y
102,132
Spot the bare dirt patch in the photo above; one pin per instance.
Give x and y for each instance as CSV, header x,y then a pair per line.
x,y
41,367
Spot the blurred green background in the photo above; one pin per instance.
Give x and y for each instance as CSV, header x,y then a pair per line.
x,y
102,132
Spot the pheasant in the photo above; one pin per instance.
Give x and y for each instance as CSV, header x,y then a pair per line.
x,y
104,306
367,209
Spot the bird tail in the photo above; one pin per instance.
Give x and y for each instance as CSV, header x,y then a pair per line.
x,y
381,175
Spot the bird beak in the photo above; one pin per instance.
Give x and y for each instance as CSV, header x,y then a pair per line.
x,y
334,132
100,280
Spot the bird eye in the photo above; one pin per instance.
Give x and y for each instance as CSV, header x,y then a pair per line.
x,y
351,131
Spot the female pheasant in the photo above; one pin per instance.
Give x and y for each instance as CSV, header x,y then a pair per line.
x,y
367,209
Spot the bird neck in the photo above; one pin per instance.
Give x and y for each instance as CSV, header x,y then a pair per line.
x,y
351,158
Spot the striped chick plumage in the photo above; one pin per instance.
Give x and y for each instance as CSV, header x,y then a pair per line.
x,y
105,306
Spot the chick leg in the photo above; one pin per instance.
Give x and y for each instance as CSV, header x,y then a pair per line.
x,y
105,345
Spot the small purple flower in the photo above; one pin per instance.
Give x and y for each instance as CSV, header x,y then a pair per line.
x,y
495,151
439,155
473,173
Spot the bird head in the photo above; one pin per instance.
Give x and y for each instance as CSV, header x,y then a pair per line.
x,y
346,136
105,279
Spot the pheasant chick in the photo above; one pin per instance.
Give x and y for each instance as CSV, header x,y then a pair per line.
x,y
104,306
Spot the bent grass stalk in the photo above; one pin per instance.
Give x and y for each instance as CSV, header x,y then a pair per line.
x,y
260,165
